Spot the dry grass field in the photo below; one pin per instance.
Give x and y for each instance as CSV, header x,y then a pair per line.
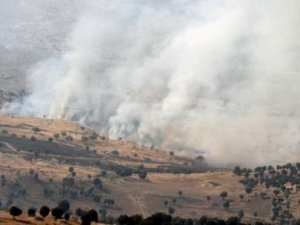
x,y
26,150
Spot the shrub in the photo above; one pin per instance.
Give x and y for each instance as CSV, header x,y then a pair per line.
x,y
57,213
142,173
226,204
69,138
97,182
223,194
33,138
90,216
31,212
233,221
36,129
123,171
15,211
84,139
64,205
4,131
79,212
171,210
44,211
115,152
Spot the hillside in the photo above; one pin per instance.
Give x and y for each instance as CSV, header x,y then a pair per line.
x,y
43,161
26,150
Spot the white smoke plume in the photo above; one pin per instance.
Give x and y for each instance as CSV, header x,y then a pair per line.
x,y
214,76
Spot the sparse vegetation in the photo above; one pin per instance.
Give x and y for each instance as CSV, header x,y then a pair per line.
x,y
31,212
44,211
15,211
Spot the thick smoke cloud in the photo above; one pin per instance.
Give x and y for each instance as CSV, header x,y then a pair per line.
x,y
218,77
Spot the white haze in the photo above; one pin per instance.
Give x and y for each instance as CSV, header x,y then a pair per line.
x,y
213,76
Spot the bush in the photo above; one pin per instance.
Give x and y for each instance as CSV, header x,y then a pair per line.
x,y
171,210
226,204
4,131
44,211
15,211
223,194
142,174
64,205
57,213
79,212
123,171
115,152
33,138
36,129
31,212
69,138
90,216
84,139
233,221
97,182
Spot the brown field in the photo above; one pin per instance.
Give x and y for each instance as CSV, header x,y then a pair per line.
x,y
19,154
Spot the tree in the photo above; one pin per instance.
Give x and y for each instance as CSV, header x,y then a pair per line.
x,y
226,204
224,194
33,138
241,214
167,202
233,221
171,210
57,213
142,173
90,216
125,220
79,212
98,183
248,189
15,211
31,212
64,205
180,193
208,198
44,211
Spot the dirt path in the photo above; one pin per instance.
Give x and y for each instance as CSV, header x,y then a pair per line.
x,y
139,202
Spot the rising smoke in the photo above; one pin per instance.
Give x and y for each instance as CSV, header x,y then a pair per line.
x,y
214,76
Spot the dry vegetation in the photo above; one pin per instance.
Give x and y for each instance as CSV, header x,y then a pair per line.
x,y
45,160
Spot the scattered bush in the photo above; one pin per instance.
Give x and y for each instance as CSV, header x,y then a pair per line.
x,y
15,211
115,152
4,131
31,212
64,205
36,129
33,138
57,213
44,211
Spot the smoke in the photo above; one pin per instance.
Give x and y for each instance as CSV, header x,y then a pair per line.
x,y
215,77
